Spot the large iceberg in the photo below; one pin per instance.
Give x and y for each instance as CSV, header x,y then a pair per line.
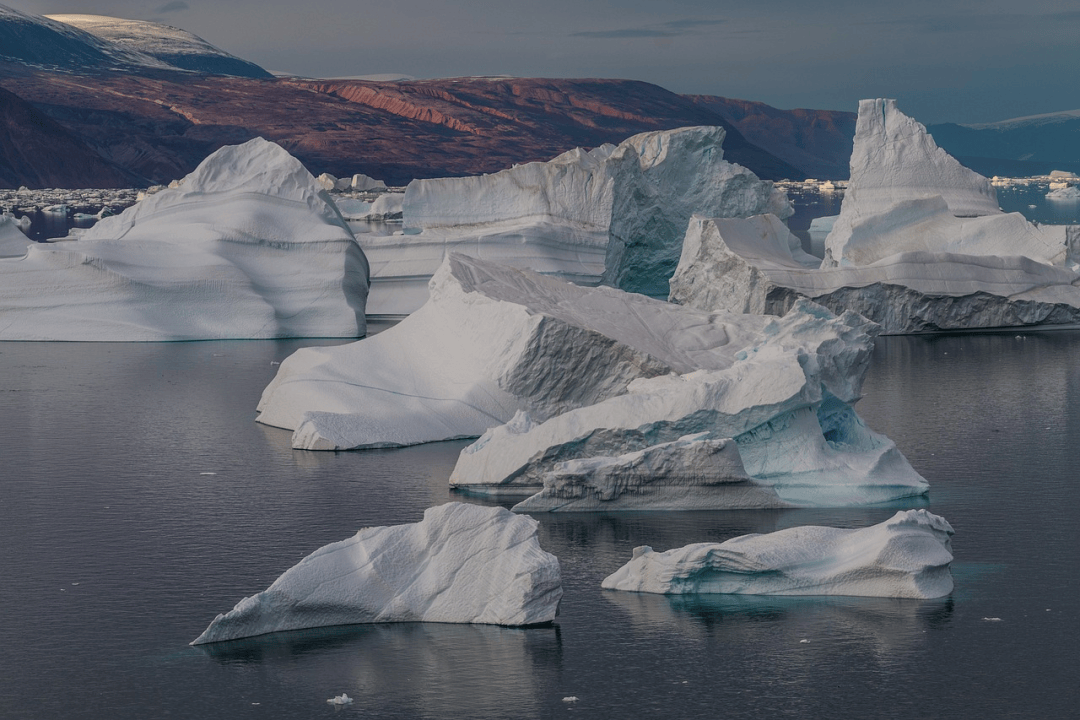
x,y
491,340
919,245
907,556
461,564
247,246
615,213
783,395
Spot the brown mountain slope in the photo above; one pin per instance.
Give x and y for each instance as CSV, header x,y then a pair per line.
x,y
38,152
817,141
160,125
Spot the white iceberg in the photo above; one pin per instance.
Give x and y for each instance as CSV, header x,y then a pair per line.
x,y
919,245
616,213
13,240
1069,193
247,247
782,390
363,182
907,556
490,341
460,564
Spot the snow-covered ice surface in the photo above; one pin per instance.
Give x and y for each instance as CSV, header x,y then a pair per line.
x,y
783,392
907,556
490,341
461,564
919,245
248,246
616,213
179,48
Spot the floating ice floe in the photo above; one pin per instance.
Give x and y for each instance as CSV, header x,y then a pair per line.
x,y
614,212
342,699
919,245
907,556
461,564
13,239
248,246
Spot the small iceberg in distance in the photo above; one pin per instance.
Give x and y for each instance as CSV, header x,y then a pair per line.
x,y
907,556
461,564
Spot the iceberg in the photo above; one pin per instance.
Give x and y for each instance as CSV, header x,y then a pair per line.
x,y
907,556
491,340
1070,193
782,395
248,246
614,214
919,245
461,564
13,241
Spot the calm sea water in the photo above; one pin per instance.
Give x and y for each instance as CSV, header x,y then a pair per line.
x,y
138,499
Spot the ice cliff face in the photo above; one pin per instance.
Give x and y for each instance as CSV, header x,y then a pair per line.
x,y
460,564
13,241
246,247
907,556
615,213
919,245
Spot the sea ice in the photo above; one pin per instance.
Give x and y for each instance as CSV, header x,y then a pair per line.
x,y
248,246
907,556
1066,194
461,564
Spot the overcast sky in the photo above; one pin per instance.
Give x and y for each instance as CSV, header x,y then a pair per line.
x,y
944,60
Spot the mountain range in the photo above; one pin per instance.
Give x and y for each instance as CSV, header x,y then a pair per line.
x,y
122,102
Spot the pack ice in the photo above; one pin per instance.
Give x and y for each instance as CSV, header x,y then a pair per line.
x,y
907,556
247,246
460,564
920,244
614,212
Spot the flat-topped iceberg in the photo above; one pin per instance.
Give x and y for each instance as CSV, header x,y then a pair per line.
x,y
460,564
907,556
614,212
919,245
247,246
490,341
783,397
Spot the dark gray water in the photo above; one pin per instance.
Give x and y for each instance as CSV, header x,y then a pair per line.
x,y
119,547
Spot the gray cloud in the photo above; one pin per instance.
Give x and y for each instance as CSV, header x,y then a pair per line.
x,y
672,28
174,6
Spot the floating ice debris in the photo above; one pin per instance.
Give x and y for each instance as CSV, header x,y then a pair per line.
x,y
990,619
804,640
341,699
907,556
460,564
570,698
208,473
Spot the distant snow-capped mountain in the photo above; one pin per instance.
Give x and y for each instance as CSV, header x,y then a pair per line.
x,y
171,45
1032,145
84,43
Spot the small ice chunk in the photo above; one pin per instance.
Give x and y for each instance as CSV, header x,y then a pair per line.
x,y
341,699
